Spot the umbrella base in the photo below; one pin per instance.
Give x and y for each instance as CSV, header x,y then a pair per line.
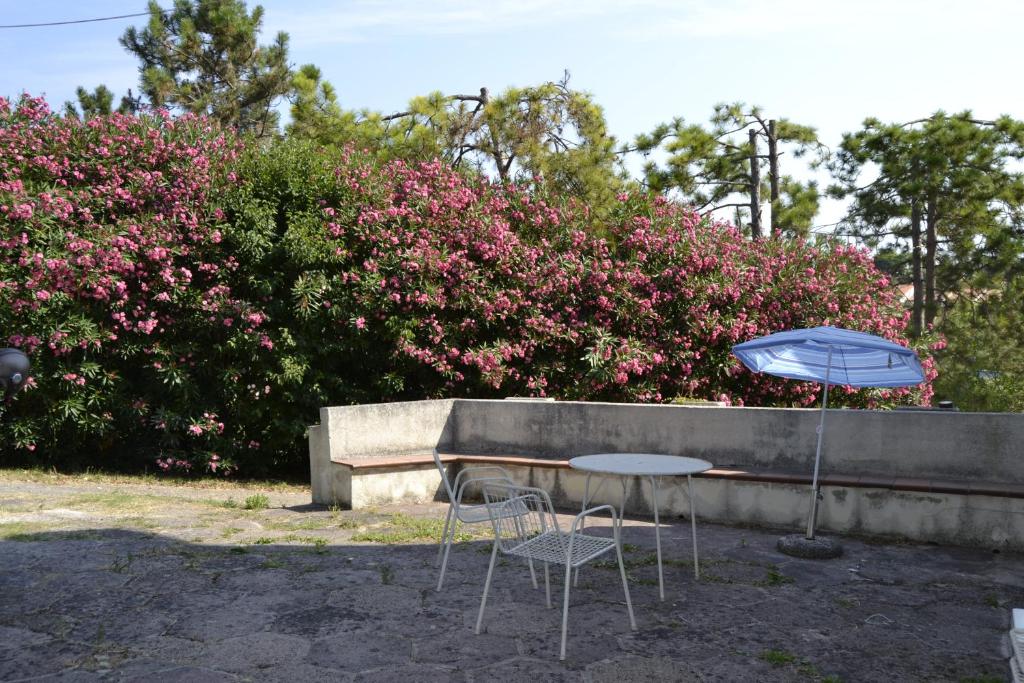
x,y
817,548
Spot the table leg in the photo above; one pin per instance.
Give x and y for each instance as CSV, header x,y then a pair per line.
x,y
693,526
586,500
625,483
657,535
622,510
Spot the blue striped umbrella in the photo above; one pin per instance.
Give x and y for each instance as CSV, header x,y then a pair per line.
x,y
831,355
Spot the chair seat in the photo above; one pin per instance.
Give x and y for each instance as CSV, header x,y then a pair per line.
x,y
473,514
551,547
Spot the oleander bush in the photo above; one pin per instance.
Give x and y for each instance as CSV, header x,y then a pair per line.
x,y
190,302
407,282
115,279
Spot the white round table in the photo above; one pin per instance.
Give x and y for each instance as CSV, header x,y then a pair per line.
x,y
651,466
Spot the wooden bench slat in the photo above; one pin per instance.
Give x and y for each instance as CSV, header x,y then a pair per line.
x,y
393,461
998,489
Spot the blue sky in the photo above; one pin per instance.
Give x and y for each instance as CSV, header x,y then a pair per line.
x,y
824,63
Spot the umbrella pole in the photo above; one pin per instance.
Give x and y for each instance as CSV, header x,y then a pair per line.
x,y
817,454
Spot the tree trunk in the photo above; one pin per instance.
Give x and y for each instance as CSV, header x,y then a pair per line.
x,y
773,170
755,188
917,316
499,161
930,244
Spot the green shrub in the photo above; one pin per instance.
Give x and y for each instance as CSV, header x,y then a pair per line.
x,y
191,306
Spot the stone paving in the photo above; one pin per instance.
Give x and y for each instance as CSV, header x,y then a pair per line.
x,y
115,582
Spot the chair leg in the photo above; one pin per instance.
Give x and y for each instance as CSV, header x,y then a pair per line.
x,y
583,522
622,573
547,585
487,587
447,548
444,535
529,560
565,608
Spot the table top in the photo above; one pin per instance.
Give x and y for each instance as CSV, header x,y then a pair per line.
x,y
639,464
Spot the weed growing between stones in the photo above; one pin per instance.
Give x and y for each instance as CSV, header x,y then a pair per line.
x,y
778,657
257,502
121,565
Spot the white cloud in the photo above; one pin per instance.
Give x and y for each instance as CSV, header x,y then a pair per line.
x,y
365,20
370,20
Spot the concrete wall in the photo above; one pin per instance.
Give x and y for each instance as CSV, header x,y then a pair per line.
x,y
384,429
925,444
381,430
963,447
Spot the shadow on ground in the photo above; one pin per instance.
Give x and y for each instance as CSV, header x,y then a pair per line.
x,y
196,603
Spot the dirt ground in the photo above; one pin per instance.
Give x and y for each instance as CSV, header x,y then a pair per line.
x,y
120,578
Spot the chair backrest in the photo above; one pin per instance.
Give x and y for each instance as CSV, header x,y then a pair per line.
x,y
444,477
518,513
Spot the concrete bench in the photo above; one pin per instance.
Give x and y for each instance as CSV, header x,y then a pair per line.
x,y
946,478
362,481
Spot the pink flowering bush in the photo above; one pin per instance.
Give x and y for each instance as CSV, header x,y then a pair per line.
x,y
189,305
114,279
408,282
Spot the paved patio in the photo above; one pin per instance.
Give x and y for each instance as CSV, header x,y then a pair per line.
x,y
115,581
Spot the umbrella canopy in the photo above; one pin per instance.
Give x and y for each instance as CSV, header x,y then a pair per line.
x,y
831,355
858,359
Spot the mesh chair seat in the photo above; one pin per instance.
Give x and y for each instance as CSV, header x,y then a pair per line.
x,y
473,514
551,547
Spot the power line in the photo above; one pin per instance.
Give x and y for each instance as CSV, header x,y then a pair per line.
x,y
77,21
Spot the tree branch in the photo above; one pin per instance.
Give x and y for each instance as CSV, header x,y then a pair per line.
x,y
745,205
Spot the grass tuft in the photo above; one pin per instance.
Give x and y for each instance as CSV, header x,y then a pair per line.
x,y
257,501
778,657
774,578
403,528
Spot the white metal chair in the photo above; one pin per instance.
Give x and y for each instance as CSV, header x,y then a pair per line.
x,y
467,514
525,525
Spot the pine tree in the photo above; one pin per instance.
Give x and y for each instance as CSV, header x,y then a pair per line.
x,y
99,102
943,192
203,57
547,131
720,166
